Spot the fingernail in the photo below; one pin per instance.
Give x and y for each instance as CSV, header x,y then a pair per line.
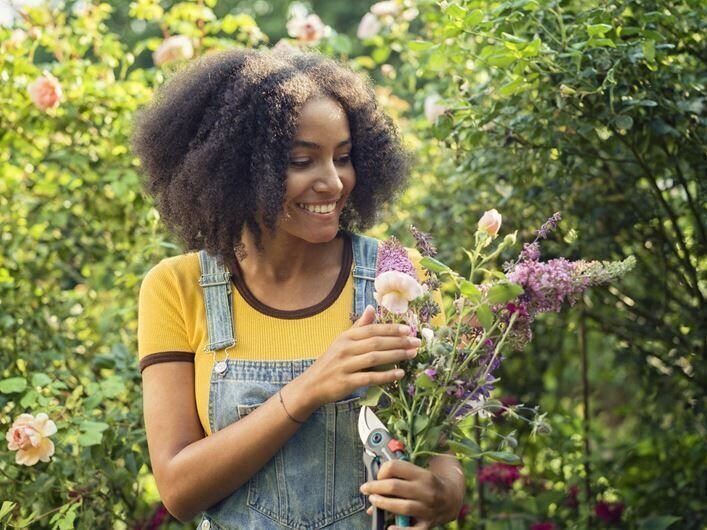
x,y
414,341
373,499
404,330
364,488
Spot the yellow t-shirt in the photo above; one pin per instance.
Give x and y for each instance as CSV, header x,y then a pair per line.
x,y
172,322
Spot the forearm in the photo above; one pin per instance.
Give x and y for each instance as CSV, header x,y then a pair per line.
x,y
209,470
450,471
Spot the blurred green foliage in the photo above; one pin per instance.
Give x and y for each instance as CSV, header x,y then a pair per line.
x,y
595,109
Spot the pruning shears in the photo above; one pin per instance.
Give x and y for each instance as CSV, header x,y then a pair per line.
x,y
380,447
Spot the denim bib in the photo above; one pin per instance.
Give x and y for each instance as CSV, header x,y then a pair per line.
x,y
313,480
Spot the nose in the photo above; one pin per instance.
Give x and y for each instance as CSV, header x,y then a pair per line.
x,y
328,181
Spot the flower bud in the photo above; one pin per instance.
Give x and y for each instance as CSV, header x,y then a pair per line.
x,y
490,222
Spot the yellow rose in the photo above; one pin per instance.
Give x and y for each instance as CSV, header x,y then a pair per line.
x,y
29,436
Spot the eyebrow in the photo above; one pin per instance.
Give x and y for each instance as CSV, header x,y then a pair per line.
x,y
312,145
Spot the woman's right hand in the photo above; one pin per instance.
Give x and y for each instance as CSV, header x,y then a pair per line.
x,y
349,362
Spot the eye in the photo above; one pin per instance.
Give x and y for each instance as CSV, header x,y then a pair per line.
x,y
344,159
300,162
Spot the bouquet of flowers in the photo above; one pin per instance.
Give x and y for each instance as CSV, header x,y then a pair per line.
x,y
448,385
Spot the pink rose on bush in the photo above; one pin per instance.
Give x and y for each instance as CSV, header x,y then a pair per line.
x,y
306,28
369,26
175,48
433,109
45,91
29,436
543,525
490,222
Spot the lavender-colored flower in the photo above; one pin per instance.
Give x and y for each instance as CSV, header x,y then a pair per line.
x,y
547,284
531,251
411,390
549,225
431,372
423,242
392,256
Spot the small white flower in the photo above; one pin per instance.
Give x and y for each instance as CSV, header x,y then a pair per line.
x,y
433,109
428,335
369,26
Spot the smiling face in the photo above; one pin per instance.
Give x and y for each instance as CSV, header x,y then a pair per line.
x,y
320,174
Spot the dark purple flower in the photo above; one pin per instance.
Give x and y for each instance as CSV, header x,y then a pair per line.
x,y
549,225
423,242
609,512
543,525
463,512
572,499
500,476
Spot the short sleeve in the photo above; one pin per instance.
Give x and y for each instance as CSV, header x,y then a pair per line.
x,y
439,319
161,330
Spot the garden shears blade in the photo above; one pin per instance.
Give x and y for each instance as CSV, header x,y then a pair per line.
x,y
379,447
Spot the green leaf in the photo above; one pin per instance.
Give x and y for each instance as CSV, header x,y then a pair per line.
x,y
485,316
503,292
434,265
41,380
470,291
419,423
473,18
420,45
29,399
532,49
623,122
424,381
601,43
112,387
648,48
511,88
90,438
454,11
466,447
380,55
373,395
7,507
658,522
598,30
97,426
12,385
503,456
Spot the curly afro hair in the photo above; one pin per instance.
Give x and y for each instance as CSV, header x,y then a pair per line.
x,y
215,142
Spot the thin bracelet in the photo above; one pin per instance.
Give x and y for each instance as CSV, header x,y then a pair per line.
x,y
284,407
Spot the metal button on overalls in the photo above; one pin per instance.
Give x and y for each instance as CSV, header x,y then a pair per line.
x,y
205,525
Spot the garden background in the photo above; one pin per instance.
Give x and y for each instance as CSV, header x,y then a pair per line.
x,y
592,108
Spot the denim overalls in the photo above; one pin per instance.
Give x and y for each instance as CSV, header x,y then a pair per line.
x,y
313,480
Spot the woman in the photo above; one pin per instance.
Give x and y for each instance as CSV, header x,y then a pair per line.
x,y
265,161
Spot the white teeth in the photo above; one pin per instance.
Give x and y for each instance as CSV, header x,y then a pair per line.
x,y
318,208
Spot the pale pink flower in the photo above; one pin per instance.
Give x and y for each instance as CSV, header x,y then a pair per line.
x,y
29,436
387,8
175,48
284,46
45,91
490,222
388,70
369,26
307,29
394,289
433,109
17,37
428,335
410,14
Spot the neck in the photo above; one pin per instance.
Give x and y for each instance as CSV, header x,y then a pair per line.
x,y
283,258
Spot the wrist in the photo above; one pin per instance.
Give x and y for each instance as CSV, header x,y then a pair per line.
x,y
300,402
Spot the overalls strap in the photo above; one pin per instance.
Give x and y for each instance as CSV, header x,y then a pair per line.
x,y
365,256
216,284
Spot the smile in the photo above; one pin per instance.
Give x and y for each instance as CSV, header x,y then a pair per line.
x,y
318,208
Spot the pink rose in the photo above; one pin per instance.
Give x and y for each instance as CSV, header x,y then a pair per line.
x,y
394,289
175,48
433,109
387,8
29,436
45,91
307,29
490,222
368,27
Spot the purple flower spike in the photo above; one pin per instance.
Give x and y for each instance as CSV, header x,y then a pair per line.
x,y
423,242
392,256
549,225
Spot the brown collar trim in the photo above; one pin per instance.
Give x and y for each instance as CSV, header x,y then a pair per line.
x,y
290,314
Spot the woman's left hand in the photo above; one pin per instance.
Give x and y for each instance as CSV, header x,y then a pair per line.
x,y
406,489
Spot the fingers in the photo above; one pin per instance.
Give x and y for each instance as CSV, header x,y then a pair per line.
x,y
382,343
377,378
378,358
399,506
367,317
373,330
401,469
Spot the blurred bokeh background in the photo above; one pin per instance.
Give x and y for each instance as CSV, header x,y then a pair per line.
x,y
592,108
